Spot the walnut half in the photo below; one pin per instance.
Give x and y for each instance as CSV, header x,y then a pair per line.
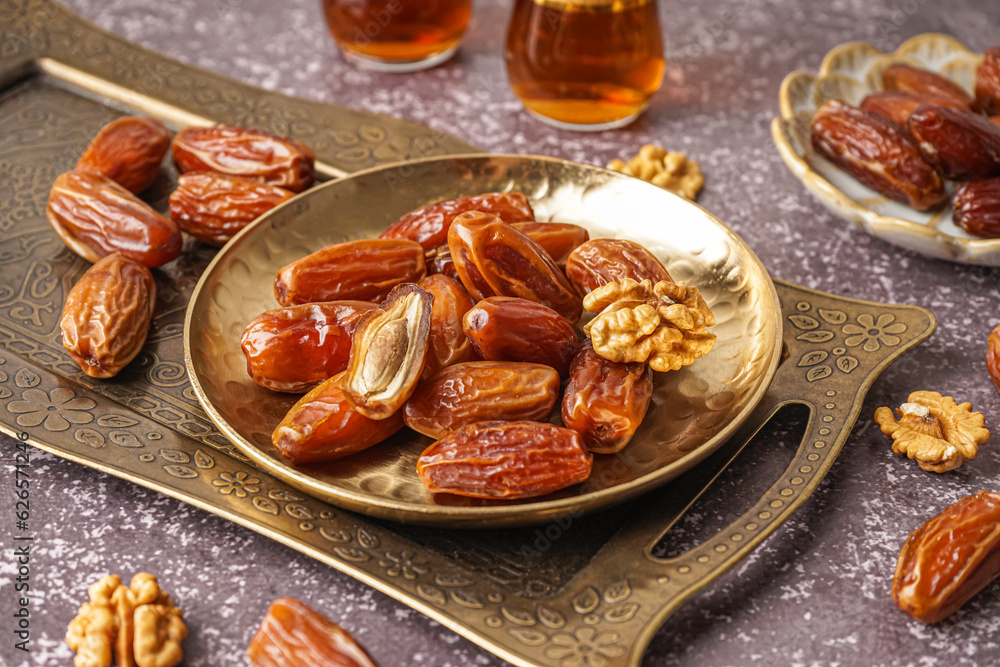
x,y
939,433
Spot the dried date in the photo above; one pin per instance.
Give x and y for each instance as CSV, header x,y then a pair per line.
x,y
478,391
605,401
447,343
993,356
494,259
558,239
439,261
977,208
96,217
877,153
900,76
988,81
245,151
962,145
510,460
294,635
295,349
128,151
896,105
602,261
107,313
365,270
323,425
215,207
429,225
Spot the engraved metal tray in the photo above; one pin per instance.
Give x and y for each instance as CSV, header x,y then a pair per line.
x,y
596,591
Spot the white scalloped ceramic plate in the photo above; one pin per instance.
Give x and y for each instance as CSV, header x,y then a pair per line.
x,y
849,72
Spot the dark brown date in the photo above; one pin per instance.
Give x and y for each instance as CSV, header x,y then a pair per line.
x,y
364,270
558,238
896,105
295,349
988,81
481,391
877,153
294,635
96,217
977,208
447,343
900,76
429,225
439,261
605,401
215,207
128,151
505,460
602,261
494,259
509,329
323,426
962,145
245,151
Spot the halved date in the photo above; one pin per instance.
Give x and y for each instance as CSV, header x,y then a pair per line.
x,y
962,145
478,391
876,152
605,401
429,225
511,460
988,81
96,217
295,349
245,151
129,151
977,208
214,207
494,259
900,76
558,238
510,329
365,270
294,635
323,426
447,343
602,261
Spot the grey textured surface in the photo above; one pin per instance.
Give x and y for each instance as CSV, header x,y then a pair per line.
x,y
817,592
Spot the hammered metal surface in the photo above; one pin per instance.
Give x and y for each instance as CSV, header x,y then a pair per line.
x,y
692,412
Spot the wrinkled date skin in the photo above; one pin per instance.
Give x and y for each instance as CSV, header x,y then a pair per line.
x,y
993,356
510,329
601,261
107,313
962,145
295,349
877,153
95,217
977,208
439,261
988,81
429,225
295,635
447,343
494,259
364,270
245,151
128,151
949,559
900,76
605,401
481,391
323,426
896,105
558,238
214,207
520,459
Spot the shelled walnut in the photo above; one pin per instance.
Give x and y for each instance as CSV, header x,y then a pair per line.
x,y
671,171
939,433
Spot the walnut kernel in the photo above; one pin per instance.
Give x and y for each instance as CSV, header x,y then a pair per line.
x,y
671,171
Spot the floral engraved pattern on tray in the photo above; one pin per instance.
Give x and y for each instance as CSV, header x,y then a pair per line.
x,y
55,410
585,647
239,484
872,334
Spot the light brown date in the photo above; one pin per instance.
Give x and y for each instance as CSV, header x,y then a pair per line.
x,y
504,328
962,145
478,391
107,313
447,343
900,76
215,207
558,239
988,81
129,151
323,425
494,259
993,356
896,105
294,635
877,153
245,151
605,401
949,559
365,270
602,261
429,225
388,352
977,208
96,217
521,459
295,349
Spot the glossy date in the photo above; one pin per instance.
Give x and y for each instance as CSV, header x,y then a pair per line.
x,y
602,261
429,225
128,151
447,343
962,145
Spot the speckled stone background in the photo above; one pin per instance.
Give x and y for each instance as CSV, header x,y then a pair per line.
x,y
817,592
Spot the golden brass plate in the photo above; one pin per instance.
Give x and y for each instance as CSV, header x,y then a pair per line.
x,y
694,410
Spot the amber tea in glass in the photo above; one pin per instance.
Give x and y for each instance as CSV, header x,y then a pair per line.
x,y
398,35
585,64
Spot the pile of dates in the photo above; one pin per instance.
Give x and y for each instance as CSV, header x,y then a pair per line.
x,y
921,129
229,177
458,322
